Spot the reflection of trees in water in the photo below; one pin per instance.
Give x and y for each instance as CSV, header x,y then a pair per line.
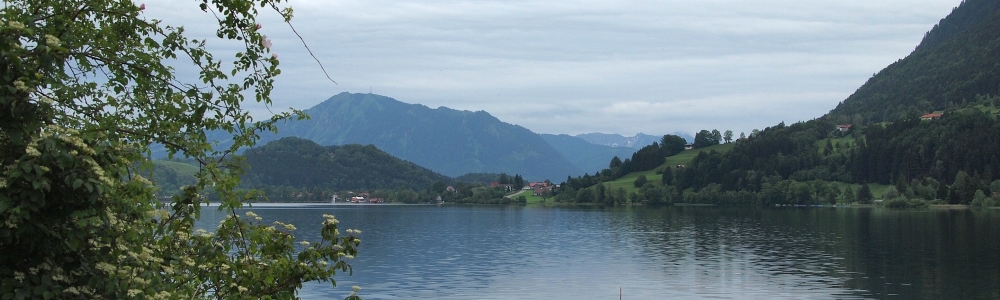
x,y
847,252
740,251
936,254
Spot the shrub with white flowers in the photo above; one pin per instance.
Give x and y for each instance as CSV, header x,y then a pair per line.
x,y
86,90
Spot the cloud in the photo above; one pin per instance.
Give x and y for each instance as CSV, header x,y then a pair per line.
x,y
585,66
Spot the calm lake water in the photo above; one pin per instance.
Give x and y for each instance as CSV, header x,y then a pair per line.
x,y
516,252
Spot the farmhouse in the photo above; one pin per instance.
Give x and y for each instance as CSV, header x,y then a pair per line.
x,y
932,116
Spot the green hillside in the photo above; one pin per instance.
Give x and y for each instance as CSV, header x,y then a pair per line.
x,y
683,158
955,66
890,152
300,163
286,167
687,156
169,176
182,169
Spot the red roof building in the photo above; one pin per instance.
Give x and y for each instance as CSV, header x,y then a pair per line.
x,y
931,116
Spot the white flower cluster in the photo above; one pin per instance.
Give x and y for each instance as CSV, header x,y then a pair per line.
x,y
15,25
329,220
253,215
203,233
288,227
106,267
21,86
51,40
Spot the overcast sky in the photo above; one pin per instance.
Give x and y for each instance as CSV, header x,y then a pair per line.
x,y
573,67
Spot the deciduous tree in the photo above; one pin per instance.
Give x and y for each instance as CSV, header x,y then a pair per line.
x,y
86,90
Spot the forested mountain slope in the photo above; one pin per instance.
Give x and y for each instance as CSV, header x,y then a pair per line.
x,y
955,65
949,158
448,141
301,163
968,15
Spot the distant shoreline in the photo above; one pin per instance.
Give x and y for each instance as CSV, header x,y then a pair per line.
x,y
300,204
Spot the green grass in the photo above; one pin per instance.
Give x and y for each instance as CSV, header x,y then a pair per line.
x,y
685,157
845,143
179,167
628,182
534,199
530,197
989,109
528,194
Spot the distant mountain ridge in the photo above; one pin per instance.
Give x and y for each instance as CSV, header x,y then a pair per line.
x,y
587,156
635,142
448,141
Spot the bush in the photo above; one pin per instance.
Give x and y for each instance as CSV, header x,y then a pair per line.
x,y
902,202
891,193
639,182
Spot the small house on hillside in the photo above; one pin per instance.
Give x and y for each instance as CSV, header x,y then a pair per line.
x,y
844,127
931,116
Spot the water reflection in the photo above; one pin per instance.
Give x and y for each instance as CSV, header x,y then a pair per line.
x,y
492,252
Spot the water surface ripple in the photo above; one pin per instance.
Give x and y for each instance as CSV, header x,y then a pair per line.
x,y
493,252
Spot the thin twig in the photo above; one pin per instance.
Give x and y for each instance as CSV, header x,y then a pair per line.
x,y
306,45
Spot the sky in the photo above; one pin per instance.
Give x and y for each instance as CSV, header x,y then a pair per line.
x,y
572,67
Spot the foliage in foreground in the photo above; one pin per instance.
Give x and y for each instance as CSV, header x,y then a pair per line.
x,y
85,91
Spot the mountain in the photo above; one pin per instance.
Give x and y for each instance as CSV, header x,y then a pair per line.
x,y
616,140
448,141
892,150
966,16
955,66
587,156
301,163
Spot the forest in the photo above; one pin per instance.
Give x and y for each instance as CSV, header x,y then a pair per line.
x,y
951,160
293,169
955,63
876,139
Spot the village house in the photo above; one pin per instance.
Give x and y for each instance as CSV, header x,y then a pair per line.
x,y
540,190
844,127
931,116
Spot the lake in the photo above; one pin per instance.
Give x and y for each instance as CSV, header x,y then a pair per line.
x,y
518,252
